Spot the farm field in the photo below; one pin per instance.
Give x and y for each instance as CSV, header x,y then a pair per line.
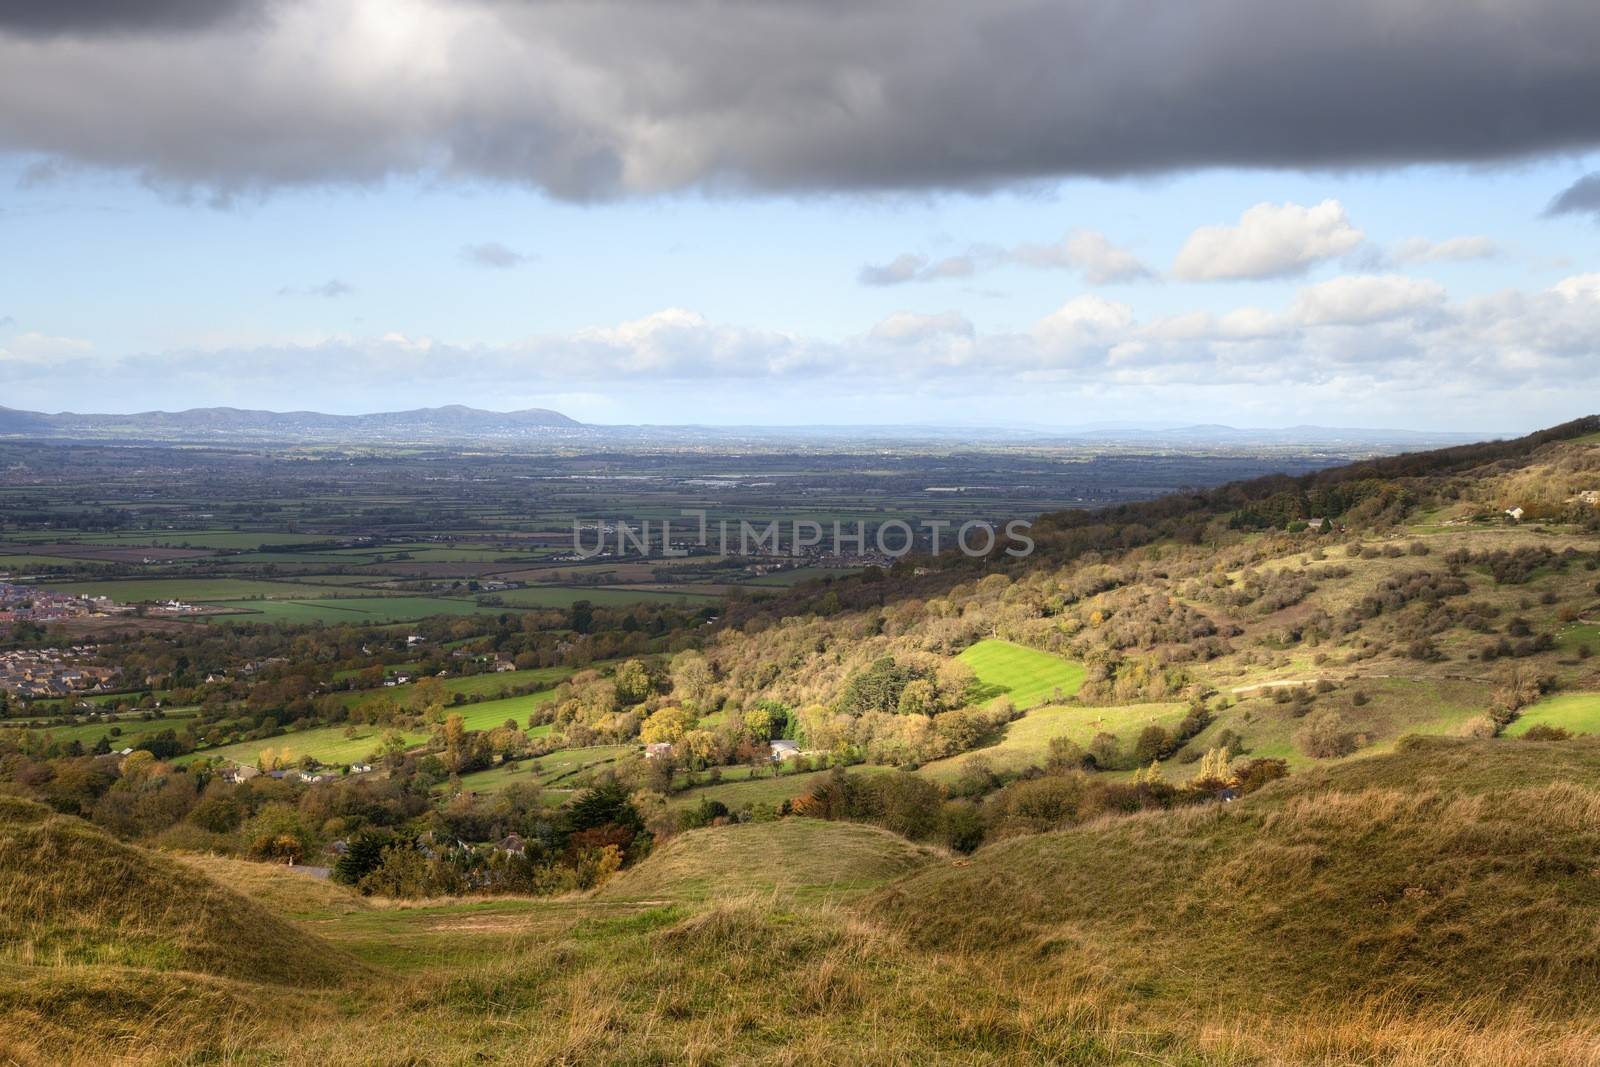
x,y
326,744
564,596
27,562
1025,675
193,590
799,575
215,539
127,731
358,610
469,685
553,769
738,789
488,714
1026,742
1577,712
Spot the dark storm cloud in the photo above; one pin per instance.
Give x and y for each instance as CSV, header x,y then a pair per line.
x,y
1582,197
50,17
618,97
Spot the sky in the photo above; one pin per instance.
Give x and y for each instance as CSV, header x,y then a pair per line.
x,y
1065,213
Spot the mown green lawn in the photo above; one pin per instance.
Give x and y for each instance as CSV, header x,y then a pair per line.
x,y
1578,712
1025,675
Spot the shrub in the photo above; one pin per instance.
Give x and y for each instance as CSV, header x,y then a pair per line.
x,y
1546,732
1326,735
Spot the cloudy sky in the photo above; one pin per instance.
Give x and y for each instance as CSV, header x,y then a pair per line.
x,y
1263,212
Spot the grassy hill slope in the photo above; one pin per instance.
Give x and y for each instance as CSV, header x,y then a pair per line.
x,y
802,856
72,895
1449,874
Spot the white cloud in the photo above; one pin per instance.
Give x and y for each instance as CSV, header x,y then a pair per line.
x,y
1451,250
902,268
1372,337
1270,241
1365,298
44,351
908,328
1086,251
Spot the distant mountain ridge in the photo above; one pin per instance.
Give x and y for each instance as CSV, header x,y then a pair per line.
x,y
451,422
458,424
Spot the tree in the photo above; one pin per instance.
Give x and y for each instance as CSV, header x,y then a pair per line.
x,y
1106,750
667,725
633,682
1152,744
454,733
363,854
758,721
692,678
919,697
603,806
956,680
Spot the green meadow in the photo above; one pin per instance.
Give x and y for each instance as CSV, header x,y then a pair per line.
x,y
1577,712
1026,742
1025,675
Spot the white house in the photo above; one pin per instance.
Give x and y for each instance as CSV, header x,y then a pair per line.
x,y
785,750
1515,514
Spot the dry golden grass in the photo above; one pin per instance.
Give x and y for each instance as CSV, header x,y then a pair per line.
x,y
72,895
1341,918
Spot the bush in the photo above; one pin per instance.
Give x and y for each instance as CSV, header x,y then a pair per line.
x,y
1545,732
1326,735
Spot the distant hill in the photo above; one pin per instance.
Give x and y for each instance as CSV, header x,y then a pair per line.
x,y
456,423
450,423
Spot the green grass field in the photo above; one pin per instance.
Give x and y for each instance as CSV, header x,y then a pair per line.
x,y
37,563
1026,742
738,790
130,730
554,770
1027,676
1577,712
193,590
563,596
468,685
219,539
356,610
327,744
